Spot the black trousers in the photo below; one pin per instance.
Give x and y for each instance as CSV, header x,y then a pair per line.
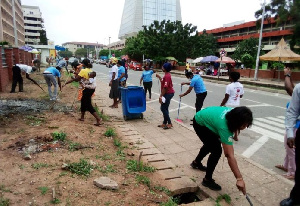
x,y
199,100
147,87
86,100
17,78
295,193
211,144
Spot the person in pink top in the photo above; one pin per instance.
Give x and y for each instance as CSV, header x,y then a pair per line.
x,y
167,93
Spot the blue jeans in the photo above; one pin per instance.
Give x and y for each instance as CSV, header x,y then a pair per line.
x,y
165,108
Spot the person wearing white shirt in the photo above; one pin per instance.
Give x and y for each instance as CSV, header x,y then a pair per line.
x,y
114,83
17,70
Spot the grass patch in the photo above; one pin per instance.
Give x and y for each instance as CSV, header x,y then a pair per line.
x,y
4,201
100,114
43,190
55,201
226,197
163,189
107,169
81,168
143,179
3,189
104,157
59,136
73,146
110,132
135,166
117,142
171,202
39,165
33,121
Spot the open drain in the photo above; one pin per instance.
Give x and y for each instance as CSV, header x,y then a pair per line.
x,y
186,198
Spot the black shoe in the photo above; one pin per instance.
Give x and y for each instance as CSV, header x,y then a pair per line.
x,y
287,202
211,184
12,92
21,91
196,165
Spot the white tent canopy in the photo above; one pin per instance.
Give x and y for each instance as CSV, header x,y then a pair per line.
x,y
197,60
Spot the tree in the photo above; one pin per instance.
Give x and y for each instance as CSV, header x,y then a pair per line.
x,y
247,46
43,37
65,53
81,52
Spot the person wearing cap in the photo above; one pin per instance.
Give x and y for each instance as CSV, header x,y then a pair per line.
x,y
62,63
167,93
114,82
17,76
50,75
199,88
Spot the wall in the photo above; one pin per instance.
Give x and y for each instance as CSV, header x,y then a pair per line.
x,y
266,74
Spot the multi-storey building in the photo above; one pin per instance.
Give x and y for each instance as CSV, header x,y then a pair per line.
x,y
12,23
138,13
230,35
33,24
73,46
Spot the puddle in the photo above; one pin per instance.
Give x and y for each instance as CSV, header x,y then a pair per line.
x,y
25,106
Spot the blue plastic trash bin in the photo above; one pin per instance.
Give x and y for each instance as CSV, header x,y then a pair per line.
x,y
133,102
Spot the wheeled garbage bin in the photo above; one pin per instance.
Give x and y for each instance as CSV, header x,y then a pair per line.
x,y
133,102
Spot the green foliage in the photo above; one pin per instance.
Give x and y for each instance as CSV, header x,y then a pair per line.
x,y
226,197
73,146
65,54
110,132
171,202
43,37
3,189
135,166
277,65
117,142
39,165
143,179
81,52
55,201
248,60
247,46
43,190
81,168
4,201
59,136
101,114
163,189
2,43
34,121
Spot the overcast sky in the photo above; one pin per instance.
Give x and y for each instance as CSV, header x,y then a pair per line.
x,y
97,20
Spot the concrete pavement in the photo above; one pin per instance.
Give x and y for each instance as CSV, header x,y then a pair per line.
x,y
171,152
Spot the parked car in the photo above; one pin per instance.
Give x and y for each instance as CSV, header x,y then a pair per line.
x,y
102,61
135,66
72,59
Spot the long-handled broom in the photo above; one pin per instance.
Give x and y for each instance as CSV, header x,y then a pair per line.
x,y
177,119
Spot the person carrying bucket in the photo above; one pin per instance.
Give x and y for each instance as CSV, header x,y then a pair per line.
x,y
199,88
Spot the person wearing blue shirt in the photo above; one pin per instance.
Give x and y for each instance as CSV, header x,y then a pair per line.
x,y
49,75
199,88
121,78
146,78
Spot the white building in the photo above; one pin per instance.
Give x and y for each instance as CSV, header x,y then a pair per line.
x,y
33,24
137,13
73,46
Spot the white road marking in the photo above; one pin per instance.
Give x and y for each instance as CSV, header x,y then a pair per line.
x,y
258,105
272,135
255,146
266,126
281,117
276,120
252,101
181,107
280,125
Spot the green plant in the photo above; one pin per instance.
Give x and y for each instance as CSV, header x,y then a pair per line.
x,y
277,65
34,121
117,142
135,166
73,146
21,167
171,202
120,153
63,174
55,201
101,114
3,189
4,201
163,189
43,190
226,197
59,136
143,179
81,168
110,132
39,165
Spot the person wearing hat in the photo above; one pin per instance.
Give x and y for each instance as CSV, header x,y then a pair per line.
x,y
199,88
114,82
62,63
50,75
167,93
17,76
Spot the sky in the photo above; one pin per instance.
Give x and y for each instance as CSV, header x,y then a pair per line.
x,y
96,20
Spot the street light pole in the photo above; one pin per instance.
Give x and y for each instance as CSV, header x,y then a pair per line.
x,y
259,42
109,53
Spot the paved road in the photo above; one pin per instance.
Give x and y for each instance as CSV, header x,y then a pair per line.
x,y
263,142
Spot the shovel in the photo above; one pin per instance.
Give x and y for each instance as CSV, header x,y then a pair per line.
x,y
177,119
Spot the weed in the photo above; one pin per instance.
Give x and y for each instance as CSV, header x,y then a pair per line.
x,y
4,201
134,166
59,136
143,179
117,142
33,121
55,201
91,129
120,153
39,165
43,190
3,189
193,179
110,132
106,169
101,115
21,167
104,157
171,202
73,146
62,174
81,168
226,197
107,203
163,189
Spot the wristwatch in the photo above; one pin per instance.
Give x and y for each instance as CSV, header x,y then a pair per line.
x,y
287,75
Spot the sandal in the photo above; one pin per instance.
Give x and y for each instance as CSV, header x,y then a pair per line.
x,y
161,125
290,177
281,167
98,124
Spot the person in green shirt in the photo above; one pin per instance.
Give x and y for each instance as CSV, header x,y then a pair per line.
x,y
216,126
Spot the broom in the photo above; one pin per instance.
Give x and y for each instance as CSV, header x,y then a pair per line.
x,y
177,119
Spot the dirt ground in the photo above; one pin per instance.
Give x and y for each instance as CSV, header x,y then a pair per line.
x,y
31,171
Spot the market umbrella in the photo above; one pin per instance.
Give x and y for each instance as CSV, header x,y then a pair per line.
x,y
171,58
35,51
209,59
197,60
280,53
225,60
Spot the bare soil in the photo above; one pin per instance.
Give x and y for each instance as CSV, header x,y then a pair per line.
x,y
31,161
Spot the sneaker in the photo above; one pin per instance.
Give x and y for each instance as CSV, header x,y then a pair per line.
x,y
198,166
211,184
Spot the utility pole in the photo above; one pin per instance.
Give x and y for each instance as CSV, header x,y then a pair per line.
x,y
109,53
259,43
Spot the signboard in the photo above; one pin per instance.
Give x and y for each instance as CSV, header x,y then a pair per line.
x,y
223,53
